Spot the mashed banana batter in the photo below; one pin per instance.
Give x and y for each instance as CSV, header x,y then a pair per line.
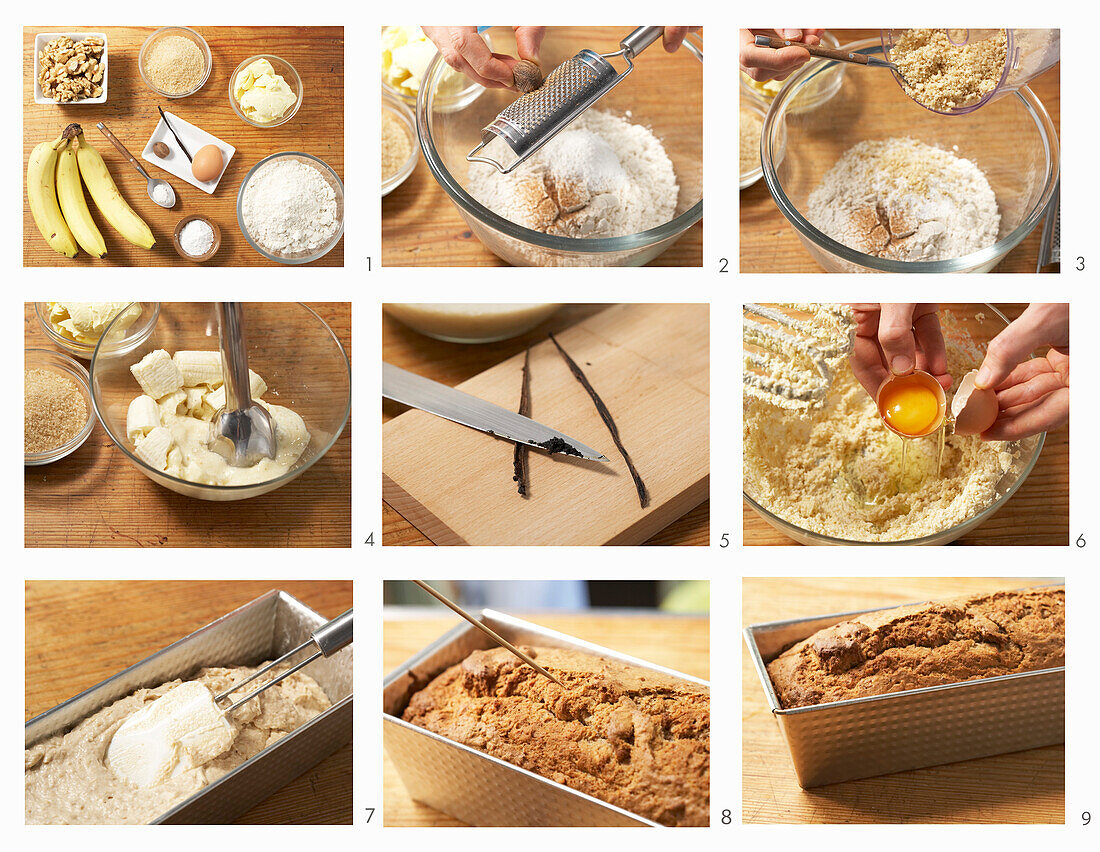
x,y
837,470
68,781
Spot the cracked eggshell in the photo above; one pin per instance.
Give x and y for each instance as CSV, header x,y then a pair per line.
x,y
974,409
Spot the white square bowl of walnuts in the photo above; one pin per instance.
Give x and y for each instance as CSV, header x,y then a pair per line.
x,y
70,68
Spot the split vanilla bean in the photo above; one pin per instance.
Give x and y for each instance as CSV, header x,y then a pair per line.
x,y
609,421
522,451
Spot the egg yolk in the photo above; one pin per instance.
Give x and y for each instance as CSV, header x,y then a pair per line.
x,y
910,408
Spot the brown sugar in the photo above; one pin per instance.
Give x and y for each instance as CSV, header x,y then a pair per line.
x,y
54,410
396,146
174,64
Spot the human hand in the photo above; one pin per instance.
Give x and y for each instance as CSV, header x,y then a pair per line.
x,y
1032,393
466,51
674,37
895,339
766,63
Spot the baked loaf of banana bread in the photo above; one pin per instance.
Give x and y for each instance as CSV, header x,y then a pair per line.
x,y
927,644
632,737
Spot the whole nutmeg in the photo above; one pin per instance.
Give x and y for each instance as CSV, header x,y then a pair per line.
x,y
527,75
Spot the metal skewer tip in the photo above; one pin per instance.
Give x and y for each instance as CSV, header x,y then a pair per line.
x,y
492,634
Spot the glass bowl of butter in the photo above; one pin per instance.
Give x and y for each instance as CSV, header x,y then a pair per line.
x,y
406,55
265,91
77,327
156,397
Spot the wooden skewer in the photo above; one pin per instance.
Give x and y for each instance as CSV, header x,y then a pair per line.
x,y
496,637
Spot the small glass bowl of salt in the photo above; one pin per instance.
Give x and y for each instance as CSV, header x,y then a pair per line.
x,y
197,238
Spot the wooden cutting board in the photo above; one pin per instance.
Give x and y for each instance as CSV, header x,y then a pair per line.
x,y
317,53
649,363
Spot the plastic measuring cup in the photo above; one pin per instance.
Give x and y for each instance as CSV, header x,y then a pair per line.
x,y
1030,53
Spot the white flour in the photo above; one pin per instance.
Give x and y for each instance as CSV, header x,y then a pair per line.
x,y
905,200
289,208
601,177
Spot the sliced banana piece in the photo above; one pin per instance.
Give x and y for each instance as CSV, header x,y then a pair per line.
x,y
142,417
153,448
157,374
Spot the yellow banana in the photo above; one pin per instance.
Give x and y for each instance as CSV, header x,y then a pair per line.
x,y
42,197
71,195
106,196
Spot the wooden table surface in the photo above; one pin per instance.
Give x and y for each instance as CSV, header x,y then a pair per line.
x,y
97,498
317,54
453,363
111,625
1022,787
421,226
1037,514
681,643
770,244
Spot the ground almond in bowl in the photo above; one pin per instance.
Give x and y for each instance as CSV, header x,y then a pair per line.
x,y
54,410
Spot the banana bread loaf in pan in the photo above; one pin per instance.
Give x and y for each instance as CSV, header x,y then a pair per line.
x,y
479,734
862,694
927,644
634,737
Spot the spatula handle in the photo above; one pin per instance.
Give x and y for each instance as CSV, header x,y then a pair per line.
x,y
813,50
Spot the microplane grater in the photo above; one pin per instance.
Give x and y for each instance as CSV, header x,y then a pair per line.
x,y
535,118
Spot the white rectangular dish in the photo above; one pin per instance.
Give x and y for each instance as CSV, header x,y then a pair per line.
x,y
41,40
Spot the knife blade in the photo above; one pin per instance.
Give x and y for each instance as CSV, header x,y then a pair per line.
x,y
461,407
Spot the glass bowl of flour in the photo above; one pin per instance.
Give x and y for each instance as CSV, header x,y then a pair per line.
x,y
872,182
616,188
290,207
295,352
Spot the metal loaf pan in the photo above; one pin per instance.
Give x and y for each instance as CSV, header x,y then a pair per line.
x,y
862,737
468,784
266,628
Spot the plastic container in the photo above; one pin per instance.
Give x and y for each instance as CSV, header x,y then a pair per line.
x,y
676,118
1012,140
1029,54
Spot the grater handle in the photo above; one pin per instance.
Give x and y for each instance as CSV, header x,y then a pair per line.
x,y
639,40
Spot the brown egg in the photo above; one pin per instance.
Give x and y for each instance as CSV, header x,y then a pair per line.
x,y
207,164
974,409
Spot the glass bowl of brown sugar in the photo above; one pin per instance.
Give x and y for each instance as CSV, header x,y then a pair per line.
x,y
58,415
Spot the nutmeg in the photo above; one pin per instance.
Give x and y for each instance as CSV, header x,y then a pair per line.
x,y
527,76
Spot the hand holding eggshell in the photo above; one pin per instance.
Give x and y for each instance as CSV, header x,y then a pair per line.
x,y
974,409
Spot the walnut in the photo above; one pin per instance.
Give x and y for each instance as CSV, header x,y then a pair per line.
x,y
70,71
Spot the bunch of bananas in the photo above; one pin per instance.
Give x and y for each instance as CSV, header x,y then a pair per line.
x,y
56,196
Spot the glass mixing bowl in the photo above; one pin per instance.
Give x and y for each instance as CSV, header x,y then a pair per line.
x,y
291,347
1011,139
982,322
675,116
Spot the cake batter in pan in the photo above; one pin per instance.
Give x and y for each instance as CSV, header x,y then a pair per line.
x,y
266,628
876,735
468,784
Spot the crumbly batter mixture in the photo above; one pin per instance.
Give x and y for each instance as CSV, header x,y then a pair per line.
x,y
602,176
68,781
835,469
905,200
945,76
